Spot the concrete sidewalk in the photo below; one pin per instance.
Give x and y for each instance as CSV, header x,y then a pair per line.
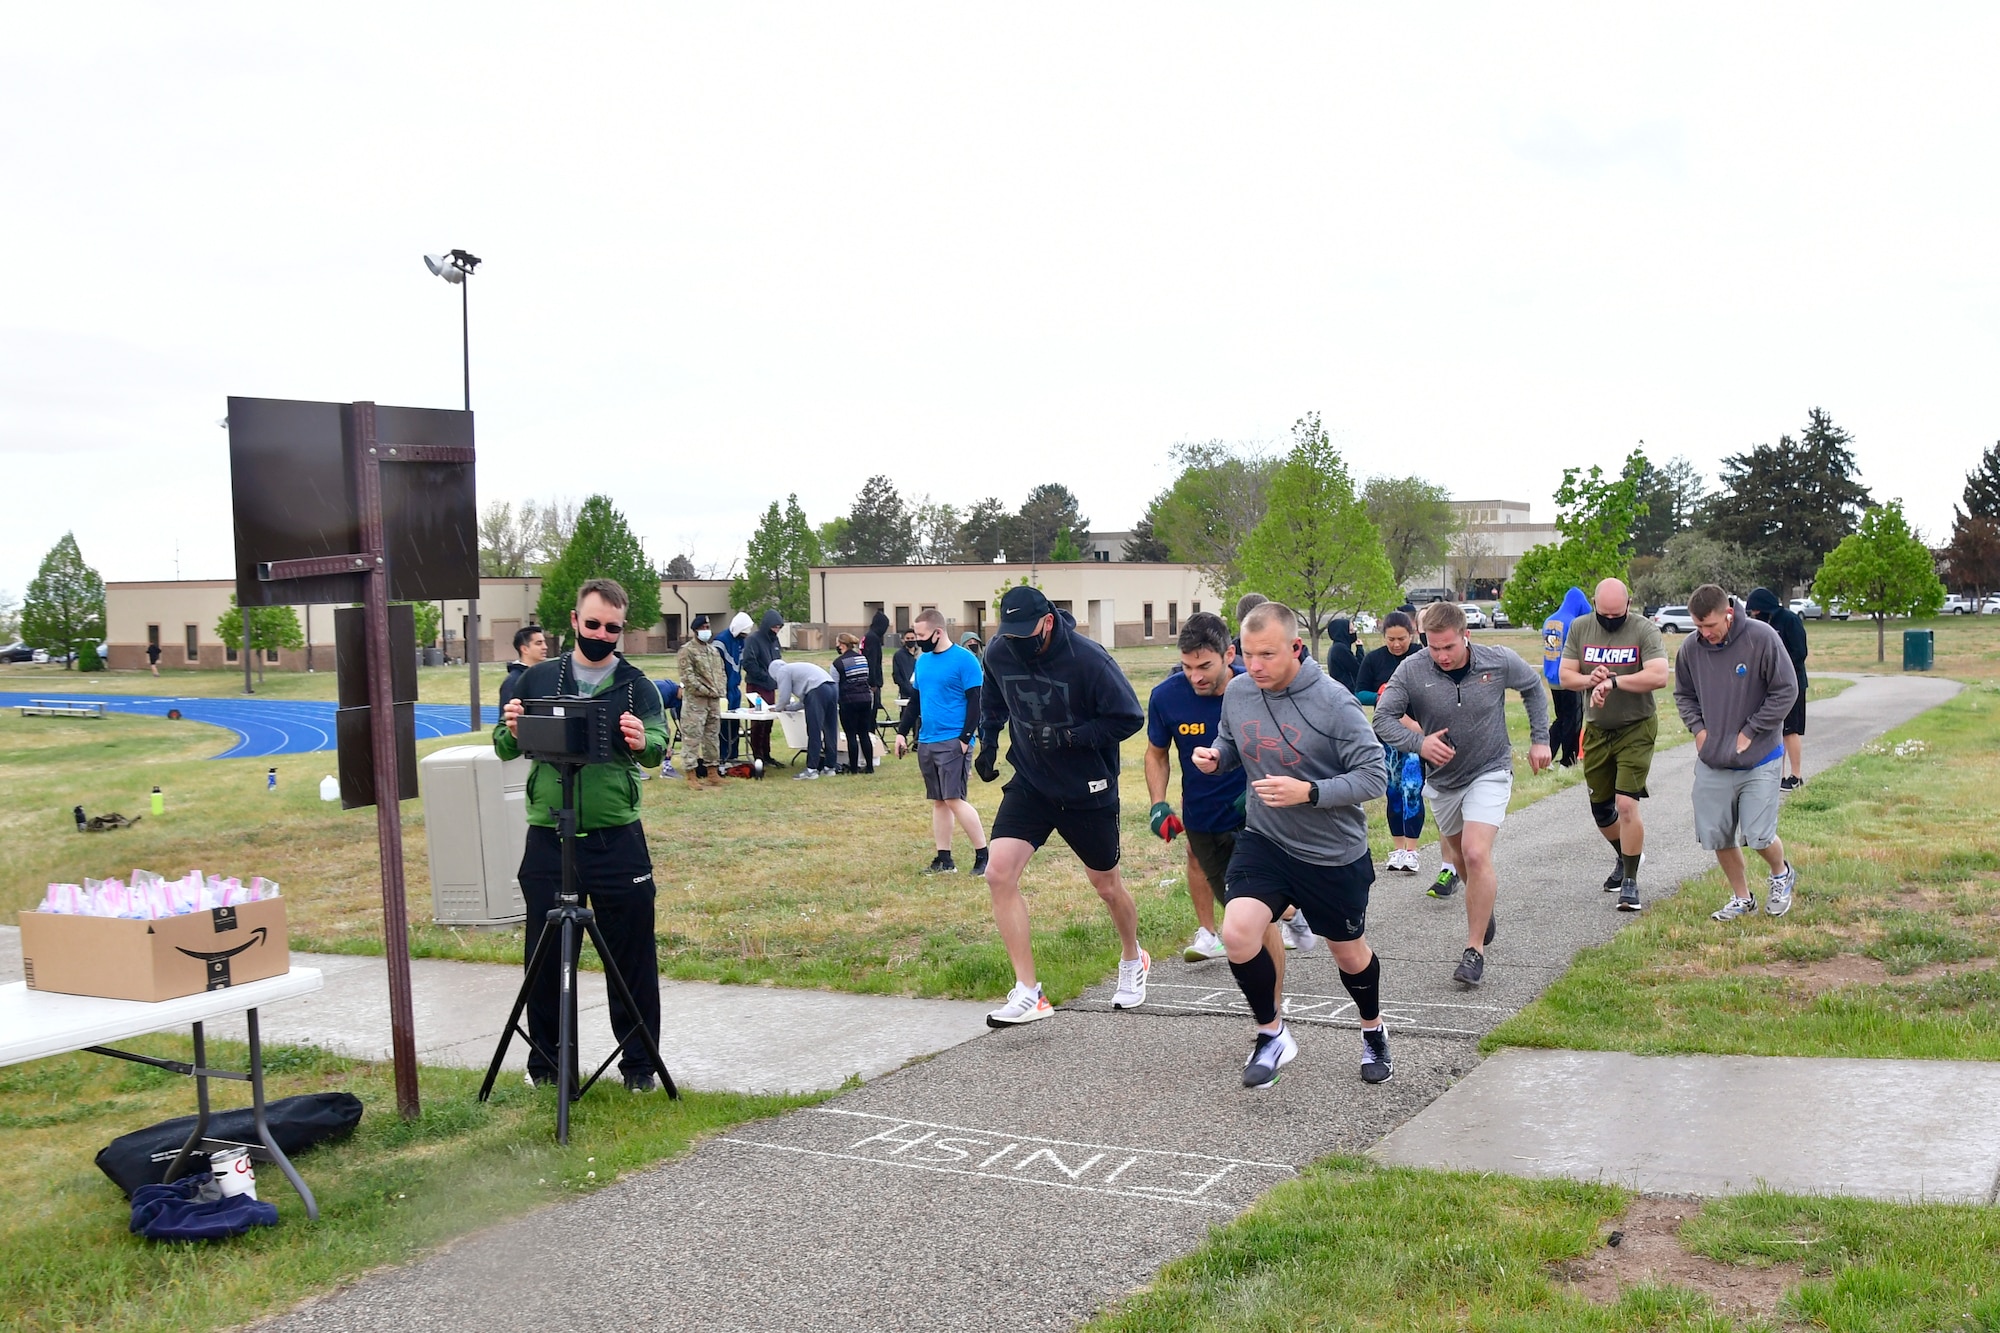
x,y
1023,1180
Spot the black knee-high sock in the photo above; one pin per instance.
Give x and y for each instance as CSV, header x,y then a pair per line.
x,y
1366,988
1259,980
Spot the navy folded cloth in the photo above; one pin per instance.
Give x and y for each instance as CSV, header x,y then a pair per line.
x,y
173,1212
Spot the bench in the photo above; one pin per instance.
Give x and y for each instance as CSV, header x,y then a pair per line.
x,y
61,708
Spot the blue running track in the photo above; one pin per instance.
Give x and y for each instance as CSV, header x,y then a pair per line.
x,y
263,727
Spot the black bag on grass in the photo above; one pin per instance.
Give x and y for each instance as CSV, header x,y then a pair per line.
x,y
297,1123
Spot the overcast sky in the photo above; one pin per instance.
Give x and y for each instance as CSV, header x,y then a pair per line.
x,y
734,251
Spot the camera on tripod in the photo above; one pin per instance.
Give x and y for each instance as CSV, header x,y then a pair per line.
x,y
572,729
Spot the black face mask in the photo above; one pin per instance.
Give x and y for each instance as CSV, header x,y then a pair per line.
x,y
1612,624
937,647
594,650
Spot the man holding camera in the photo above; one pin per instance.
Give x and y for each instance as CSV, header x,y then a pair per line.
x,y
614,869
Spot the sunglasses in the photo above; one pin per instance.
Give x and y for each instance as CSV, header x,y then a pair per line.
x,y
610,627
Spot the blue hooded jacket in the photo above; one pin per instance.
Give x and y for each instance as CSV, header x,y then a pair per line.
x,y
1555,633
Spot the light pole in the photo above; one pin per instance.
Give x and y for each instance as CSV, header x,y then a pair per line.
x,y
456,266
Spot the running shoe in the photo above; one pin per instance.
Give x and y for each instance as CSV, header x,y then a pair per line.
x,y
979,860
1445,884
1616,879
1132,972
1791,783
1024,1005
1734,908
1273,1051
1297,934
1628,896
640,1083
1471,968
941,864
806,775
1205,945
1376,1067
1779,900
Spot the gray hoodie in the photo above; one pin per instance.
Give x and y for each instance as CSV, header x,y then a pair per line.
x,y
794,681
1312,730
1474,710
1742,686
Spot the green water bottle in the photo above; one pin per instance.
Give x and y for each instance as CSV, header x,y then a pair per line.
x,y
159,802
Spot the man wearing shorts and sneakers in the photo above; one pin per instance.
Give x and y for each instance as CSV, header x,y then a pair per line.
x,y
1733,684
1066,707
1185,712
1448,703
1618,659
943,712
1311,760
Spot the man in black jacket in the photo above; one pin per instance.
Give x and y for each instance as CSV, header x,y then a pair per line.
x,y
760,650
1066,707
531,646
1765,606
871,649
903,667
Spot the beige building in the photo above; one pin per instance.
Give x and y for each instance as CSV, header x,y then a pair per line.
x,y
1494,535
181,615
1118,603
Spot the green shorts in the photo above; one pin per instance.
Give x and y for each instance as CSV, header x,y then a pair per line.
x,y
1617,762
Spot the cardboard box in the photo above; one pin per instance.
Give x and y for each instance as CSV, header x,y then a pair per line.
x,y
155,960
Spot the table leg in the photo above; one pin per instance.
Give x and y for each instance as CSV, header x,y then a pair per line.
x,y
263,1128
178,1167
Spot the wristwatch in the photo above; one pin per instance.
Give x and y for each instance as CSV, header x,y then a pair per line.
x,y
1312,793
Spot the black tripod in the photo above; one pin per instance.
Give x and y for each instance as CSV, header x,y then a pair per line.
x,y
562,929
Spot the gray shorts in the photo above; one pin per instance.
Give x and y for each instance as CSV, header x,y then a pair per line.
x,y
1736,807
1481,801
944,765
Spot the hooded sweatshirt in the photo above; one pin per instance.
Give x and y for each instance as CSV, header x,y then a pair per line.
x,y
1741,686
1313,730
1473,709
1764,605
795,681
760,650
730,643
1343,658
1074,688
871,648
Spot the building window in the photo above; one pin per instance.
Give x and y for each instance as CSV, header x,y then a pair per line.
x,y
229,652
152,636
1101,555
1149,620
902,620
870,610
1173,618
270,654
1194,608
194,643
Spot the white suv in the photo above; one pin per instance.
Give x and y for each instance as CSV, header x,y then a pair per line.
x,y
1674,620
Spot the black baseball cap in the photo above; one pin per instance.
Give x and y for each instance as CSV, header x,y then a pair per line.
x,y
1021,610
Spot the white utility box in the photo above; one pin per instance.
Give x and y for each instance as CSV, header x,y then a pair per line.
x,y
476,822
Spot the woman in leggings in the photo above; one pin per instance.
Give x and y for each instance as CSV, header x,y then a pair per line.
x,y
1406,771
857,703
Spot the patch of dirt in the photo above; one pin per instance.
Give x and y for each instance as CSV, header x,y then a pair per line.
x,y
1849,969
1649,1250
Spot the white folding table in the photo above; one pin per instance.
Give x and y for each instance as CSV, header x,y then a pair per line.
x,y
37,1024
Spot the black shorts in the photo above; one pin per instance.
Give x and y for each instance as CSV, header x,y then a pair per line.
x,y
1030,816
1211,851
1795,721
1333,899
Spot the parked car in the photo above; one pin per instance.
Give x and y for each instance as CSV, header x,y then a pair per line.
x,y
1835,611
1956,605
1500,620
1419,596
1361,622
1807,609
17,652
1674,620
1474,617
1991,607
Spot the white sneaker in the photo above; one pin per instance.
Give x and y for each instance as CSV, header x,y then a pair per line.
x,y
1205,945
810,775
1409,863
1024,1005
1272,1052
1131,992
1297,934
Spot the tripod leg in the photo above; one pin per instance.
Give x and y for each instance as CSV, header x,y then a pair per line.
x,y
566,1028
514,1018
616,981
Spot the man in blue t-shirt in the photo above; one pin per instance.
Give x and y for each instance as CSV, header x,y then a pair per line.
x,y
943,712
1184,711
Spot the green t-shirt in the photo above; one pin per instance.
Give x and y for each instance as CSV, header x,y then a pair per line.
x,y
1625,650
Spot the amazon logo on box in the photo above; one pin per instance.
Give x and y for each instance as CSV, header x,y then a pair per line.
x,y
117,959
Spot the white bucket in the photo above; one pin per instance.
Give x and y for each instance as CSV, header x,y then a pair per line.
x,y
234,1172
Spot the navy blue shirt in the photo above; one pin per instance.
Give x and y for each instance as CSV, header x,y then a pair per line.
x,y
1176,714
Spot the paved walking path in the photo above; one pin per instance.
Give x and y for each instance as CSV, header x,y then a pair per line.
x,y
1023,1180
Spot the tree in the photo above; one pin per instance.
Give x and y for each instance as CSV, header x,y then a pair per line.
x,y
428,618
934,532
1218,499
1790,503
1879,570
64,608
681,568
271,628
1691,559
1982,486
1416,521
777,570
1065,551
509,540
1973,557
1144,545
1472,551
555,524
880,528
1316,549
1594,517
1048,510
1673,496
10,615
601,546
986,534
830,539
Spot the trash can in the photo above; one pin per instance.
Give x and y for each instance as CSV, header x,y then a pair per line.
x,y
1919,649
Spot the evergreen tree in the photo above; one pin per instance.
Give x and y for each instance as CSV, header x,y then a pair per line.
x,y
880,527
1982,486
64,608
777,569
987,533
681,568
1065,551
1144,545
1973,557
1791,503
1048,510
1673,496
1880,570
600,546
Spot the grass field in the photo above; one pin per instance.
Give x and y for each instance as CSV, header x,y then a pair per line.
x,y
390,1192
